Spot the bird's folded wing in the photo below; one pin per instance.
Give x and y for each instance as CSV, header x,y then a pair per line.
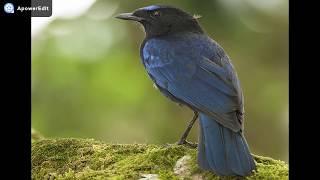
x,y
197,72
200,83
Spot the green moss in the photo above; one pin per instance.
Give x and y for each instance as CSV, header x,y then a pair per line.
x,y
90,159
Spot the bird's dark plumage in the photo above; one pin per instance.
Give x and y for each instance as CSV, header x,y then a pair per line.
x,y
192,69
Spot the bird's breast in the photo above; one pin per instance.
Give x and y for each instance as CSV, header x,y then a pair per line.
x,y
155,54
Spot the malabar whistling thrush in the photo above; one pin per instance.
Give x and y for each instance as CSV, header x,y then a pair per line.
x,y
191,69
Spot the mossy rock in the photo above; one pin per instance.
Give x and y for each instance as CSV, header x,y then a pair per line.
x,y
89,159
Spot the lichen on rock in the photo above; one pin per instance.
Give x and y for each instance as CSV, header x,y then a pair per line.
x,y
182,167
70,158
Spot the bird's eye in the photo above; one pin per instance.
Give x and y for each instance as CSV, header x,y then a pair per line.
x,y
156,13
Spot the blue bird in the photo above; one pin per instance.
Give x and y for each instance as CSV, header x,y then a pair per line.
x,y
191,69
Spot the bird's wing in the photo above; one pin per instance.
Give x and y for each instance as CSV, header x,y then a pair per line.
x,y
207,83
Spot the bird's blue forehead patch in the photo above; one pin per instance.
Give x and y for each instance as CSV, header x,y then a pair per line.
x,y
151,8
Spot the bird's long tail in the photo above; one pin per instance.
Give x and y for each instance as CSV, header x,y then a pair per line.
x,y
223,151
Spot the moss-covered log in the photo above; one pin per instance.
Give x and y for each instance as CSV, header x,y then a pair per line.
x,y
89,159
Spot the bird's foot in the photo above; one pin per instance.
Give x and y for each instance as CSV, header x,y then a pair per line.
x,y
186,143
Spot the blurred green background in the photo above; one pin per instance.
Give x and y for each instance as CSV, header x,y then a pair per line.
x,y
88,80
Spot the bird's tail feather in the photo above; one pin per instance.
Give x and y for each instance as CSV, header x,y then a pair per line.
x,y
223,151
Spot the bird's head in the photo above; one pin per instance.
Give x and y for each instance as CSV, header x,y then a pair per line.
x,y
159,20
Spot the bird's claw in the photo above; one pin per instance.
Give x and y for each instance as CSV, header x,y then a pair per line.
x,y
186,143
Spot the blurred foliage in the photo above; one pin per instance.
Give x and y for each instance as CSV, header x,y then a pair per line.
x,y
88,80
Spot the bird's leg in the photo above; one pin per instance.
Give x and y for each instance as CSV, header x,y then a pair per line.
x,y
183,139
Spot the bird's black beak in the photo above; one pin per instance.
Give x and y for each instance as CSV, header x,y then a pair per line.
x,y
129,16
